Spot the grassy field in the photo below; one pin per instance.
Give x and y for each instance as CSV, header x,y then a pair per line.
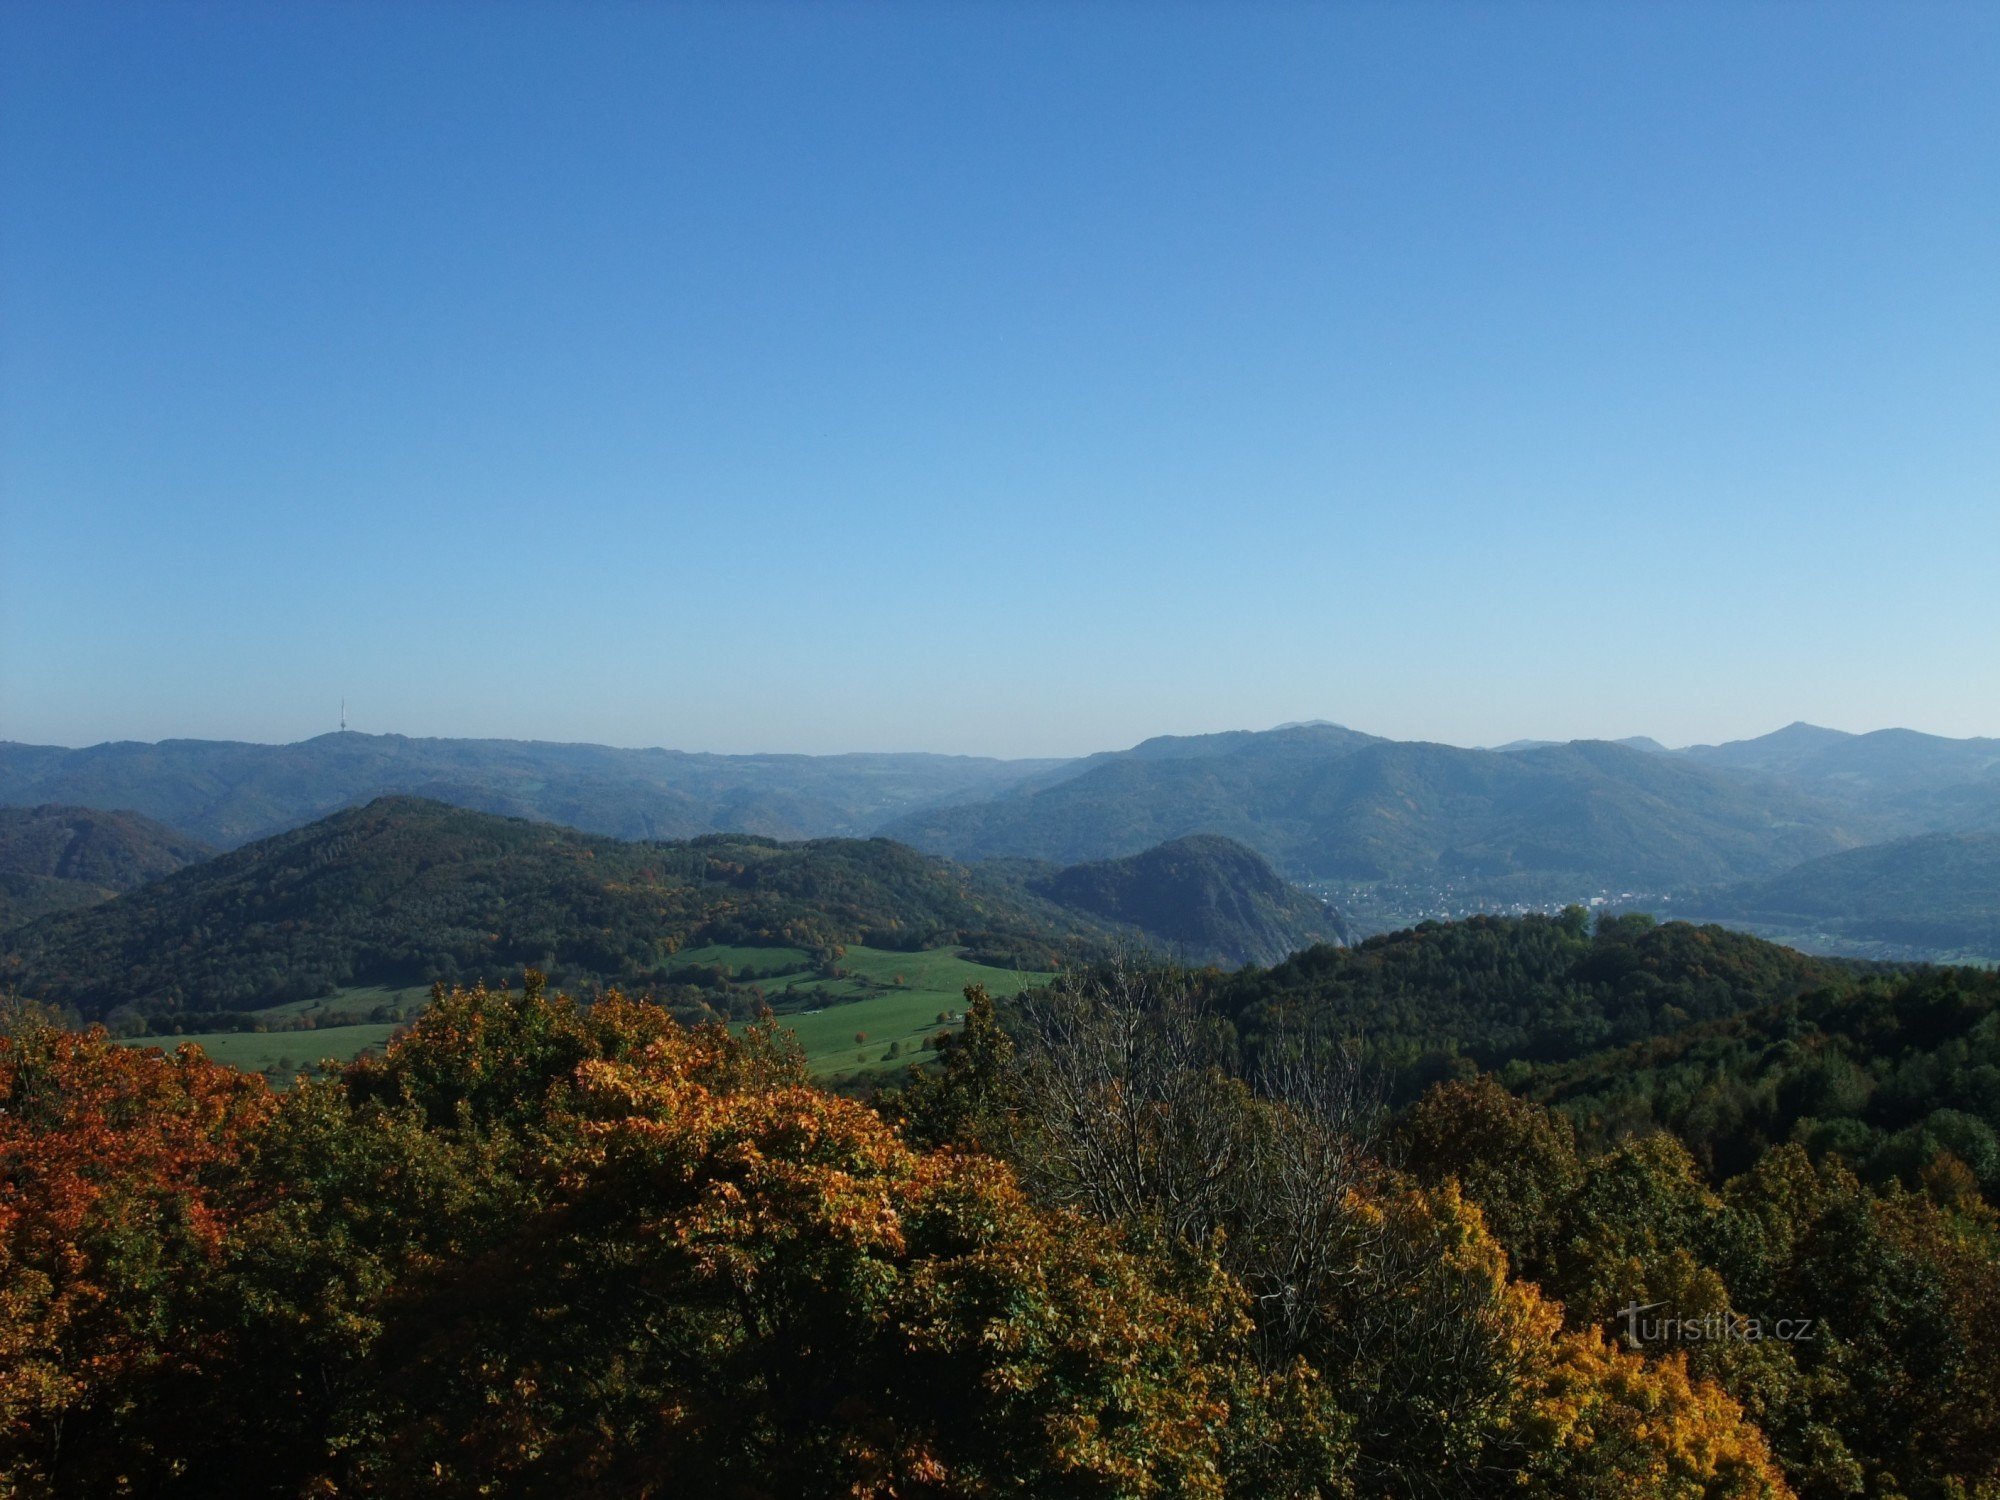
x,y
901,1020
280,1054
868,971
890,998
265,1051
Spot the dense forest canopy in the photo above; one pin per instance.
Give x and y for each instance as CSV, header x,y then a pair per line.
x,y
1449,995
542,1249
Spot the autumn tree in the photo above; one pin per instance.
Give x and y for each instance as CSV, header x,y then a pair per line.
x,y
732,1280
120,1179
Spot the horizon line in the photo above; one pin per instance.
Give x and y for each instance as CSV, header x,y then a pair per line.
x,y
1503,747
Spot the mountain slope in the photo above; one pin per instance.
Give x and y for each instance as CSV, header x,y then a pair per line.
x,y
1208,898
1936,891
1887,782
1337,805
59,858
406,891
230,793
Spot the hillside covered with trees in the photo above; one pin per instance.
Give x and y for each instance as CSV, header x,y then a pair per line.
x,y
1208,899
1448,997
1938,891
1319,801
407,891
59,858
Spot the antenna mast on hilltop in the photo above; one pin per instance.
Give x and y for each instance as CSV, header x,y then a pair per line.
x,y
343,716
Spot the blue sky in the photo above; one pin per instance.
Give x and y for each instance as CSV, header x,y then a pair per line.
x,y
1001,379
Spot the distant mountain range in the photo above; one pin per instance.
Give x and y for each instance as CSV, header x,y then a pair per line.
x,y
1325,802
227,793
1635,742
1528,823
1886,783
59,858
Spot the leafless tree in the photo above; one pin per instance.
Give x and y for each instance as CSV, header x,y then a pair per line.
x,y
1303,1245
1128,1100
1132,1106
1129,1111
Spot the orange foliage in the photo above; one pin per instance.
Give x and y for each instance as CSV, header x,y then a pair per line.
x,y
115,1171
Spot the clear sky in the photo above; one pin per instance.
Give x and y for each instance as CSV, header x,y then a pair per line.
x,y
1015,379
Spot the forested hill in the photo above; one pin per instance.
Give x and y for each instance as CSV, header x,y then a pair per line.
x,y
59,858
1323,802
1206,897
229,793
1888,1071
408,891
1495,990
1938,891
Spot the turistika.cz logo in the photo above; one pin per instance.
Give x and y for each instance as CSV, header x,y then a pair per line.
x,y
1709,1328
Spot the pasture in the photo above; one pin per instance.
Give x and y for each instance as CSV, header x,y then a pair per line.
x,y
891,999
279,1054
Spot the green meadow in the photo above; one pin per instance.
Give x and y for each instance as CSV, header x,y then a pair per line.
x,y
893,1029
890,999
279,1053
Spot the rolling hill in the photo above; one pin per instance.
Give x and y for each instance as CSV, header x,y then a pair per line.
x,y
1208,899
1534,989
404,891
1325,802
60,858
1937,892
228,793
